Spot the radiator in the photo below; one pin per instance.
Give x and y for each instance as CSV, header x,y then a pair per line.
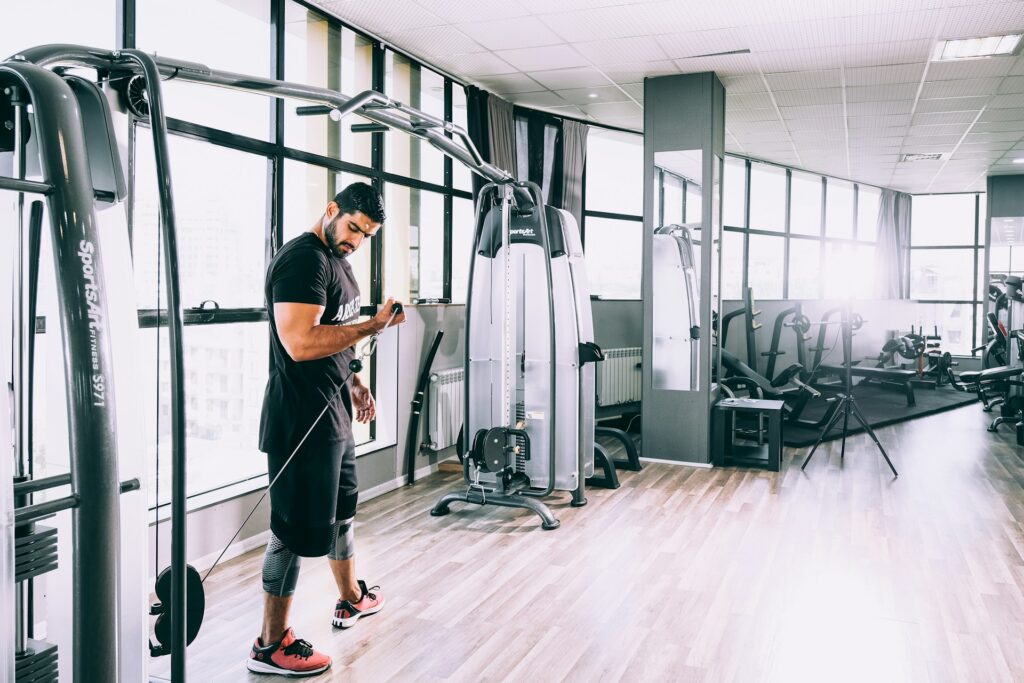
x,y
444,409
619,377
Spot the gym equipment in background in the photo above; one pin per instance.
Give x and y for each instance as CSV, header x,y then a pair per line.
x,y
680,335
412,437
801,326
749,313
529,373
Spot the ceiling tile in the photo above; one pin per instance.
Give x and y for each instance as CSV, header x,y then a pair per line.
x,y
951,104
803,80
796,98
458,11
563,79
475,64
372,15
943,129
759,100
881,93
960,88
612,109
635,72
695,43
944,117
602,52
635,90
595,95
879,108
432,41
510,83
975,19
884,75
732,117
544,98
724,65
998,126
744,84
997,136
878,121
1007,102
970,68
543,58
1011,85
510,34
1000,115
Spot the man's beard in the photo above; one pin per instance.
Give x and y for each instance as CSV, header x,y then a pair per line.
x,y
331,234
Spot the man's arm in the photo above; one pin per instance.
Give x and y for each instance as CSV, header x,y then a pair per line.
x,y
304,338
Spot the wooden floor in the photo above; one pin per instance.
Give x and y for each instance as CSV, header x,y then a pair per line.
x,y
839,573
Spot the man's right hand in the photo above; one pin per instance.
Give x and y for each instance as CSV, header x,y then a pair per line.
x,y
384,315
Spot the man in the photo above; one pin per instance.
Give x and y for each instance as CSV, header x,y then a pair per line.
x,y
312,302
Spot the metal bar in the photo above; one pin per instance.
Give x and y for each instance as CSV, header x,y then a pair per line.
x,y
17,185
158,125
35,485
78,258
33,513
387,112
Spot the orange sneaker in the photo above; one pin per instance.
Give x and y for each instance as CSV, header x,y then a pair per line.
x,y
346,613
287,657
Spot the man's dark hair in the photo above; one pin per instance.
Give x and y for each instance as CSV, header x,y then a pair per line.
x,y
361,197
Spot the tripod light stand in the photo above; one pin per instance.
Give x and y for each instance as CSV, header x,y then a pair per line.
x,y
847,402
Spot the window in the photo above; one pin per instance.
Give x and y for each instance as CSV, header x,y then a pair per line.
x,y
325,55
767,197
693,203
462,177
171,29
226,373
735,193
942,274
221,220
614,257
411,84
839,209
765,266
463,227
937,220
415,243
868,200
804,269
615,172
79,22
732,264
849,270
805,204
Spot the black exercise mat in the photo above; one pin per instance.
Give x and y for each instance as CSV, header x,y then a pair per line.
x,y
880,406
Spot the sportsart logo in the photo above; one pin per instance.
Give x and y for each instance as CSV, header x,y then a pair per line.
x,y
522,232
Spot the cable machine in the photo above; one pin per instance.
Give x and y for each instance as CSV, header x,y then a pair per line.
x,y
65,110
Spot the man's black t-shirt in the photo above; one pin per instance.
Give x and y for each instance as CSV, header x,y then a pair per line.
x,y
305,272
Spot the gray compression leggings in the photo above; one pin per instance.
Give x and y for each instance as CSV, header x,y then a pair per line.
x,y
281,566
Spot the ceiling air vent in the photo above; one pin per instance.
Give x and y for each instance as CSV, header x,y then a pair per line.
x,y
922,157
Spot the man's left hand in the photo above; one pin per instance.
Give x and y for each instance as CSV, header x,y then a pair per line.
x,y
362,401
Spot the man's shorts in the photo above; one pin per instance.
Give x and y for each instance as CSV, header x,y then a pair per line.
x,y
311,494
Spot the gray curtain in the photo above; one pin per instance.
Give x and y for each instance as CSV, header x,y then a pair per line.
x,y
501,128
892,281
574,156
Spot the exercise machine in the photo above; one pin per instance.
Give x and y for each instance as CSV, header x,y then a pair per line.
x,y
749,313
529,373
794,319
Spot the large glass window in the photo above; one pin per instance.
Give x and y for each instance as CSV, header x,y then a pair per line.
x,y
805,204
694,203
767,197
765,266
462,177
415,243
734,193
804,269
614,256
839,209
942,274
671,199
174,29
463,226
325,55
409,83
221,221
849,270
226,373
942,219
615,172
732,264
89,22
868,199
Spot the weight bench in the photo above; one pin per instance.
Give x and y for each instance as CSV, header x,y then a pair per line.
x,y
991,385
894,378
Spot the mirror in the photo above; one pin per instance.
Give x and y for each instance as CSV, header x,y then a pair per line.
x,y
675,262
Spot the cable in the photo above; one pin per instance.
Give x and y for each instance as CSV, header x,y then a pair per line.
x,y
354,366
156,508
